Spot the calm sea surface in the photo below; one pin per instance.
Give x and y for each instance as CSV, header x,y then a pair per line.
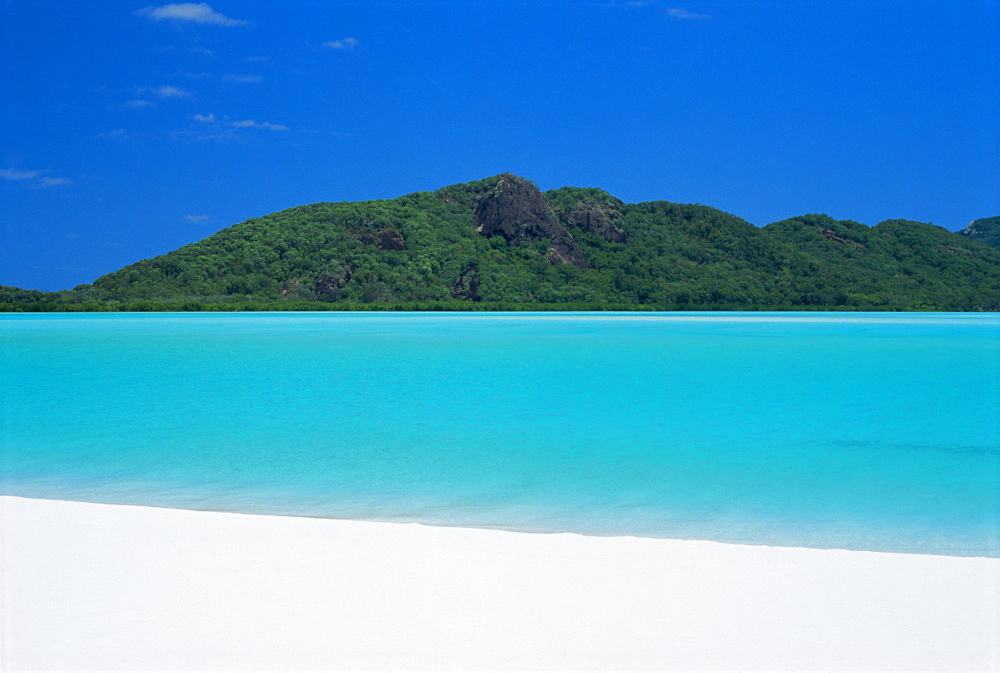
x,y
860,431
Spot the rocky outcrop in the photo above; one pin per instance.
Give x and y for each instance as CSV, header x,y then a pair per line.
x,y
516,210
596,220
386,239
831,235
985,230
952,248
466,286
331,284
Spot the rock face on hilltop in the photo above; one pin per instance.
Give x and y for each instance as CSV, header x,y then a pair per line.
x,y
516,210
596,220
985,230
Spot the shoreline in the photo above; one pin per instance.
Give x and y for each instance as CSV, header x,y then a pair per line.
x,y
497,528
117,587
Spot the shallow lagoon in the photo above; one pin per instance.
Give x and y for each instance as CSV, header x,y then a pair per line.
x,y
861,431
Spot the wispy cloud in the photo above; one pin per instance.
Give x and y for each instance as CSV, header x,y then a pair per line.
x,y
195,219
254,124
256,59
166,91
35,179
14,174
171,92
672,12
227,128
343,43
189,12
138,103
243,79
52,182
189,75
681,13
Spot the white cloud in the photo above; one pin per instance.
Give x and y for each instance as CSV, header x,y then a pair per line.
x,y
195,219
171,92
256,59
202,127
223,129
14,174
189,75
52,182
163,91
681,13
345,43
189,11
138,103
34,179
253,124
243,79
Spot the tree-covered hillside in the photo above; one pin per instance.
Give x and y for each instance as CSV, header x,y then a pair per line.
x,y
897,262
501,243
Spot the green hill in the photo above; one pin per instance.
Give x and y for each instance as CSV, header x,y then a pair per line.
x,y
500,243
897,262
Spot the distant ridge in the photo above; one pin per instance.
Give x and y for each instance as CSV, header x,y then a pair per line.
x,y
500,243
985,230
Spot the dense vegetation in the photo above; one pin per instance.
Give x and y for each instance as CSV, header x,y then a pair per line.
x,y
500,244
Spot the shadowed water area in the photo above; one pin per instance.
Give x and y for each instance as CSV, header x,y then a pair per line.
x,y
859,431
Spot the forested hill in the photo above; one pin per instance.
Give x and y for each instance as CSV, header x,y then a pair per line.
x,y
500,243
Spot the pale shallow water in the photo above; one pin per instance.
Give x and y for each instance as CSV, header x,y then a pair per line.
x,y
859,431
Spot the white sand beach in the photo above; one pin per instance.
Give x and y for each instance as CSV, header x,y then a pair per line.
x,y
108,587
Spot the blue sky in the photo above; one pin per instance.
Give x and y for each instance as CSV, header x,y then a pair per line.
x,y
132,128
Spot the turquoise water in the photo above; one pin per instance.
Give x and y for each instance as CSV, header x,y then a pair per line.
x,y
859,431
